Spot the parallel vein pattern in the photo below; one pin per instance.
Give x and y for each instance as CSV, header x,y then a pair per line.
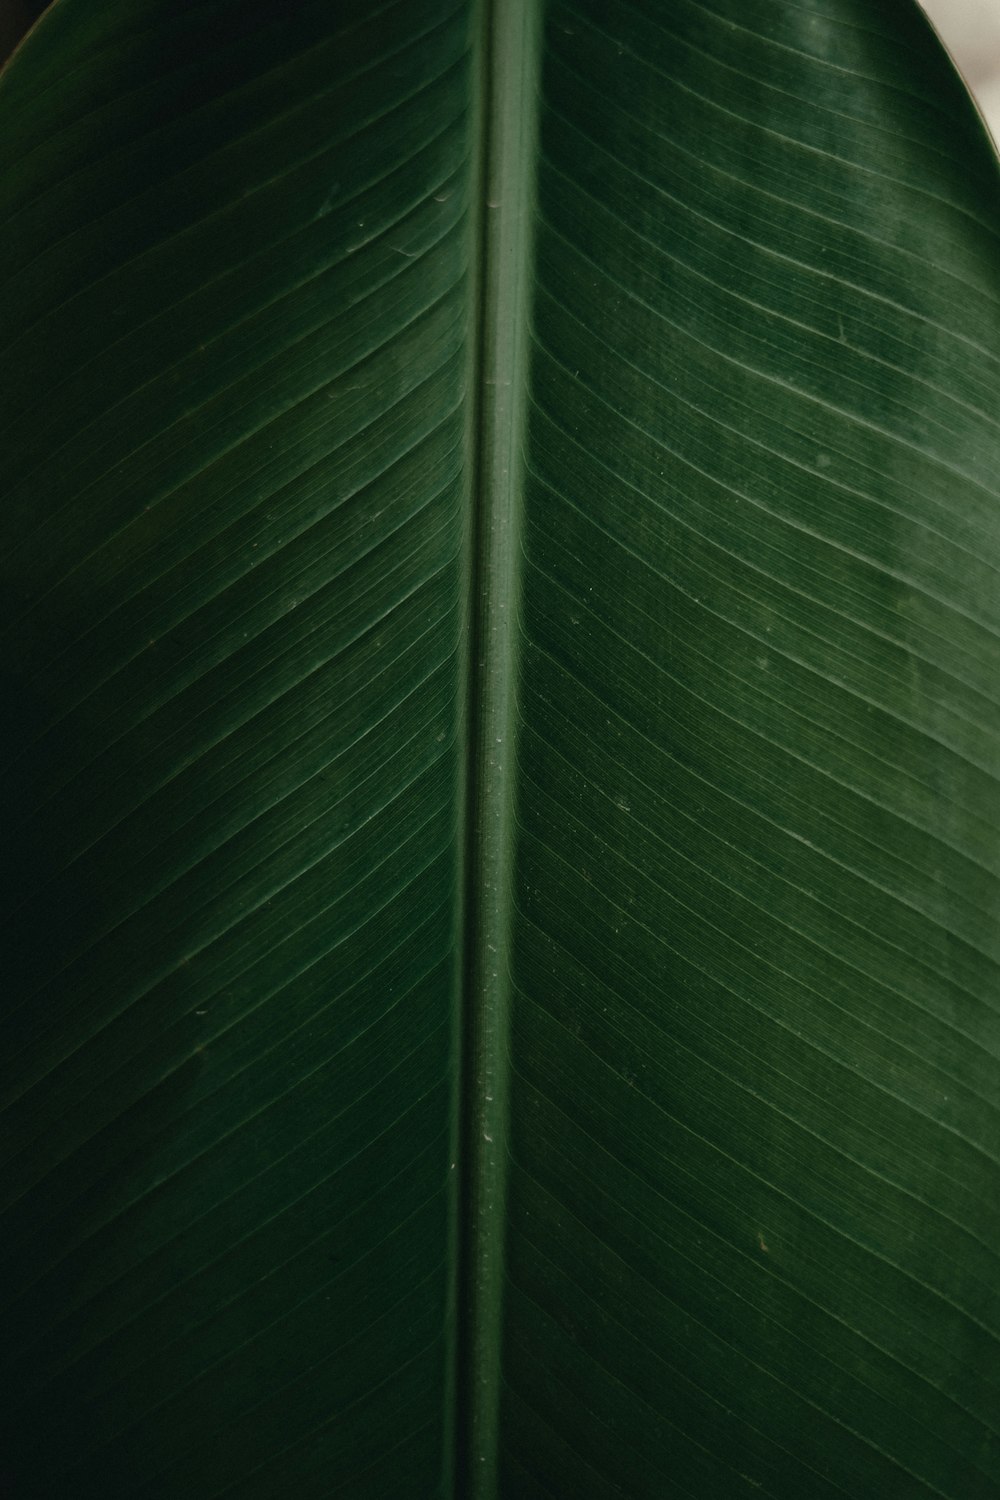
x,y
754,1197
235,324
729,720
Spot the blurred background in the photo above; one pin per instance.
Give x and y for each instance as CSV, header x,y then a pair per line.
x,y
970,29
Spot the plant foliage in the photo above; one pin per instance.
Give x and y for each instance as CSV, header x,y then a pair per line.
x,y
501,736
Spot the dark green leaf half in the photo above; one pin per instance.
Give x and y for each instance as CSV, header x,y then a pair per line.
x,y
236,340
754,1204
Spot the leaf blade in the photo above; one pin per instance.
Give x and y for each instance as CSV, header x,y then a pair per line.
x,y
235,525
753,1031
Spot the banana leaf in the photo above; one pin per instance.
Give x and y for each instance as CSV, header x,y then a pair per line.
x,y
500,622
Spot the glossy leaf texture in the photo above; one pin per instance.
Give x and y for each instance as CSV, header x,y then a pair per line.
x,y
754,1203
260,289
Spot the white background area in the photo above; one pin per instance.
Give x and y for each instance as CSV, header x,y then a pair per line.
x,y
970,29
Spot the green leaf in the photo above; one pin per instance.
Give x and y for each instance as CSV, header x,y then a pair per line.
x,y
500,624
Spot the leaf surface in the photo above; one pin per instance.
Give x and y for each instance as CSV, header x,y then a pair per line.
x,y
500,616
236,333
753,1198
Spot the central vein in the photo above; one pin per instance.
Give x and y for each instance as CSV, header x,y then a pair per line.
x,y
508,62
